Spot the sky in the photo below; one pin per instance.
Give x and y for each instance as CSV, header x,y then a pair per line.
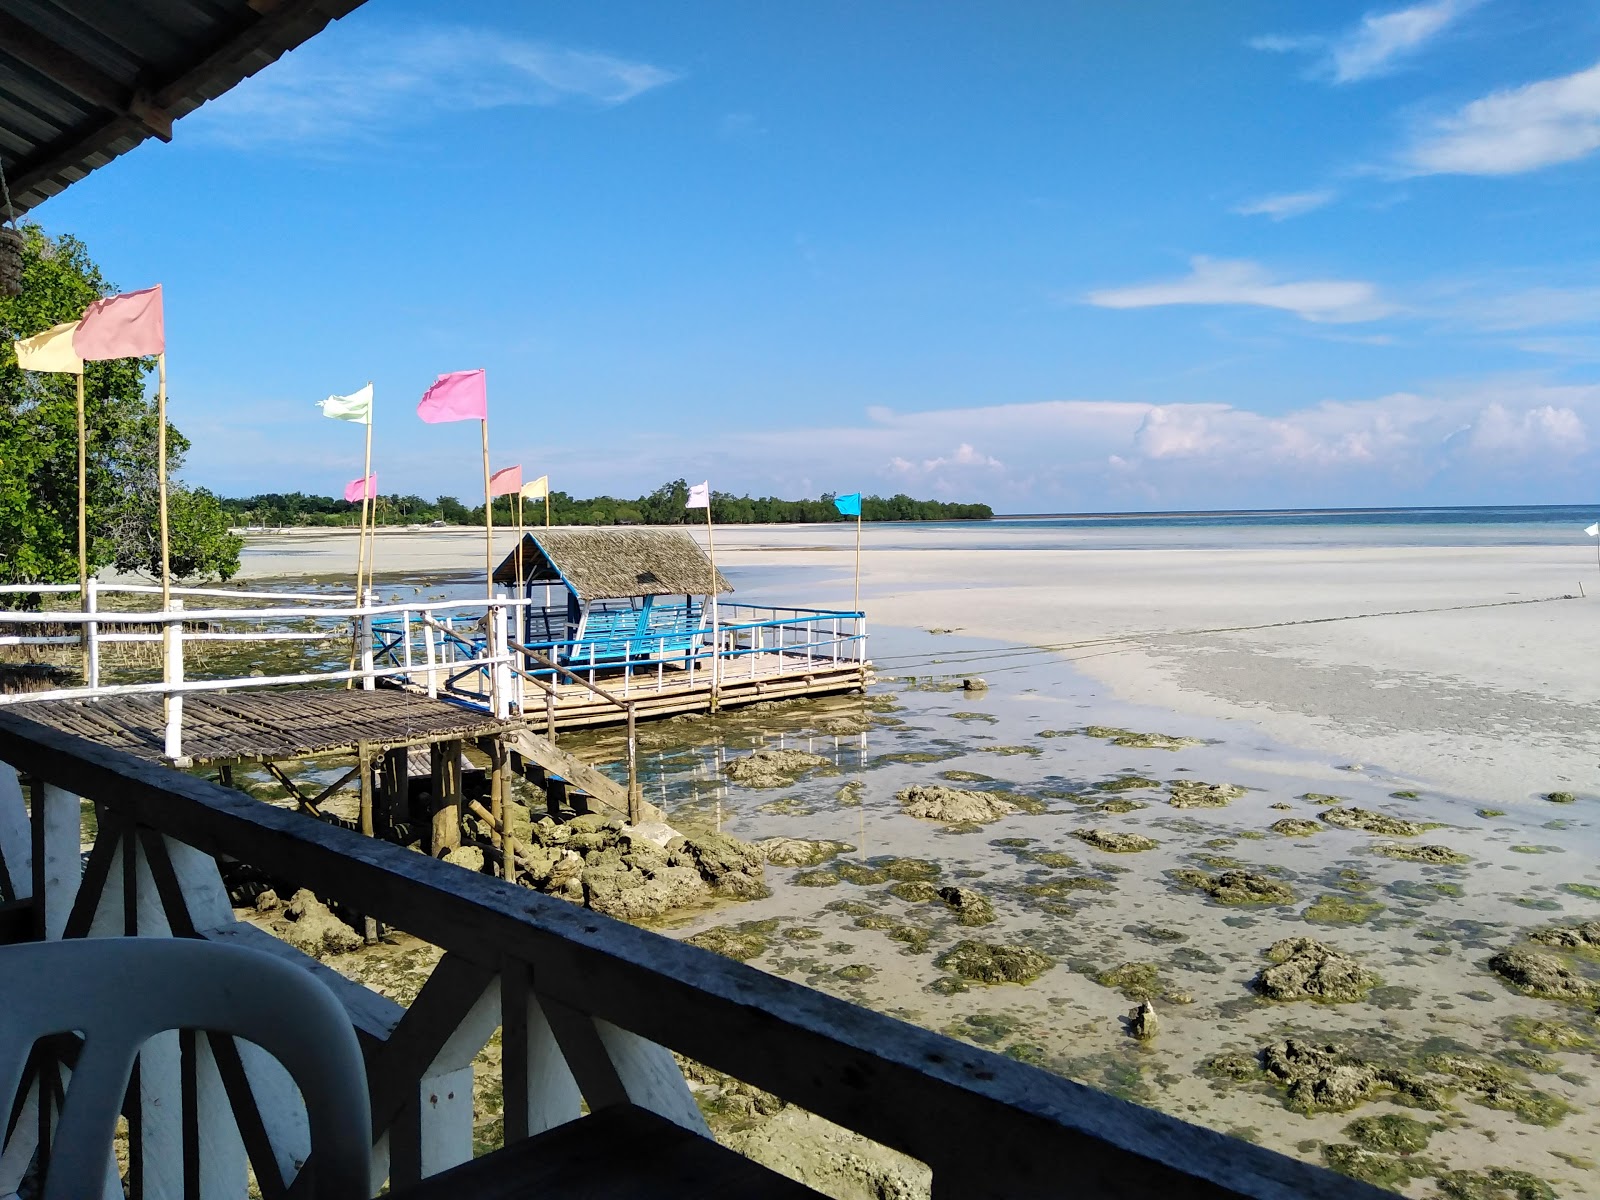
x,y
1056,257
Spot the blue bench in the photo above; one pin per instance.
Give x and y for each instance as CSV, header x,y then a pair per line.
x,y
614,635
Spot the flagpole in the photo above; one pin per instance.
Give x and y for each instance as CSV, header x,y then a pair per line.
x,y
83,525
519,543
363,553
716,635
161,477
488,515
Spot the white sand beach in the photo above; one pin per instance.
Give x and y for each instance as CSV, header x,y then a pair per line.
x,y
1468,668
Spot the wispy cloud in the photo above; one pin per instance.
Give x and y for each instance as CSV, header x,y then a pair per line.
x,y
1375,46
323,94
1513,130
1284,205
1242,282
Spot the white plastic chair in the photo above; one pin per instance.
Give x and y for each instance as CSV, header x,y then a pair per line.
x,y
118,992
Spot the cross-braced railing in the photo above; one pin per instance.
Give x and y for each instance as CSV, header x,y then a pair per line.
x,y
589,1009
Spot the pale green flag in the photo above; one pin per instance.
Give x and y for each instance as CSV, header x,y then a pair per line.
x,y
357,406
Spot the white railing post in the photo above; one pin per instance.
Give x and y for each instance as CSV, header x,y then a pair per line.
x,y
405,642
430,651
499,654
367,681
91,604
173,673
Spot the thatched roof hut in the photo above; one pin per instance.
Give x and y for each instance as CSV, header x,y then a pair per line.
x,y
613,564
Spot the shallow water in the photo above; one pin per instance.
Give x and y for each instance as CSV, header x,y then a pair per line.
x,y
1425,930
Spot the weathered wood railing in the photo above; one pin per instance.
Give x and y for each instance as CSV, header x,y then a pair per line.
x,y
589,1009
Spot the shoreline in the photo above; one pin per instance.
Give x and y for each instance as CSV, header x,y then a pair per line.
x,y
1456,666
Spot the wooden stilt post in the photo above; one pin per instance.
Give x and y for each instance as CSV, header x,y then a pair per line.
x,y
364,765
635,793
500,785
393,792
446,828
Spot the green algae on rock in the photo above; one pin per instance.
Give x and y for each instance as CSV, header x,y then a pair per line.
x,y
1587,890
1236,887
1126,783
1192,793
849,796
914,891
772,768
1437,855
955,806
742,942
1114,842
1140,981
1373,822
818,878
967,777
798,852
1561,797
1380,1170
1543,975
970,907
1391,1133
1305,969
1323,798
991,962
1334,909
1294,827
1497,1183
1137,741
1584,937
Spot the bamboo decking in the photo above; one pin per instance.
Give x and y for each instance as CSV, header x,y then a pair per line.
x,y
267,726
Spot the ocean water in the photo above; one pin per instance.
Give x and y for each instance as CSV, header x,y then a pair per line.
x,y
1509,525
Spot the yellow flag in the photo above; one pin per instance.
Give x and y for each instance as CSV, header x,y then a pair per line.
x,y
538,489
50,351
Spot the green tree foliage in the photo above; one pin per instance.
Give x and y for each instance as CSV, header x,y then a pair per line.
x,y
39,446
664,506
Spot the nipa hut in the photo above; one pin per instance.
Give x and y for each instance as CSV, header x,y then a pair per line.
x,y
628,593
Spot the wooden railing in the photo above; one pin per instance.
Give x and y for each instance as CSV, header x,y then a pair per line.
x,y
589,1009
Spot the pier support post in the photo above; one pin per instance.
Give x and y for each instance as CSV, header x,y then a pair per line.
x,y
499,791
635,793
447,796
172,673
394,780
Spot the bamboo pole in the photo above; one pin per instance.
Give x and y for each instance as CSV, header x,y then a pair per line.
x,y
488,516
83,524
547,504
363,566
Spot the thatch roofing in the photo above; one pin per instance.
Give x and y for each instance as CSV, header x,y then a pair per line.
x,y
609,564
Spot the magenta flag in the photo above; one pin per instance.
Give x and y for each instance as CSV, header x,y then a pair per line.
x,y
361,489
126,326
506,483
458,396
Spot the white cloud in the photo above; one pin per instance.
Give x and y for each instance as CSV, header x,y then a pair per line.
x,y
1533,432
1375,46
1286,204
1238,281
332,91
1513,130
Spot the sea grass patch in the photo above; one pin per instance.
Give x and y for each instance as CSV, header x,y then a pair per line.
x,y
1134,740
1126,783
1114,841
1331,908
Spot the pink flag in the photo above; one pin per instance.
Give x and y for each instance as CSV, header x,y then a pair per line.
x,y
458,396
361,489
125,326
506,483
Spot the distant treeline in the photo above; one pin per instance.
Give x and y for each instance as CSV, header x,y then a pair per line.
x,y
664,506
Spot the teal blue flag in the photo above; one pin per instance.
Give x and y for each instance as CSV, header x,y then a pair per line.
x,y
848,506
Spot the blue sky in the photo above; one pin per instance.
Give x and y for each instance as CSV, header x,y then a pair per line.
x,y
1058,257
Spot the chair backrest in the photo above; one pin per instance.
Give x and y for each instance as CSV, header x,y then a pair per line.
x,y
118,992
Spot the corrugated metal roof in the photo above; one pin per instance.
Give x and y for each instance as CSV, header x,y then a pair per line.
x,y
82,81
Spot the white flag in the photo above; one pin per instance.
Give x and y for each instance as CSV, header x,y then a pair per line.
x,y
699,495
1593,530
357,406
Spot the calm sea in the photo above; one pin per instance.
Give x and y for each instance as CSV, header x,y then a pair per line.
x,y
1519,525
